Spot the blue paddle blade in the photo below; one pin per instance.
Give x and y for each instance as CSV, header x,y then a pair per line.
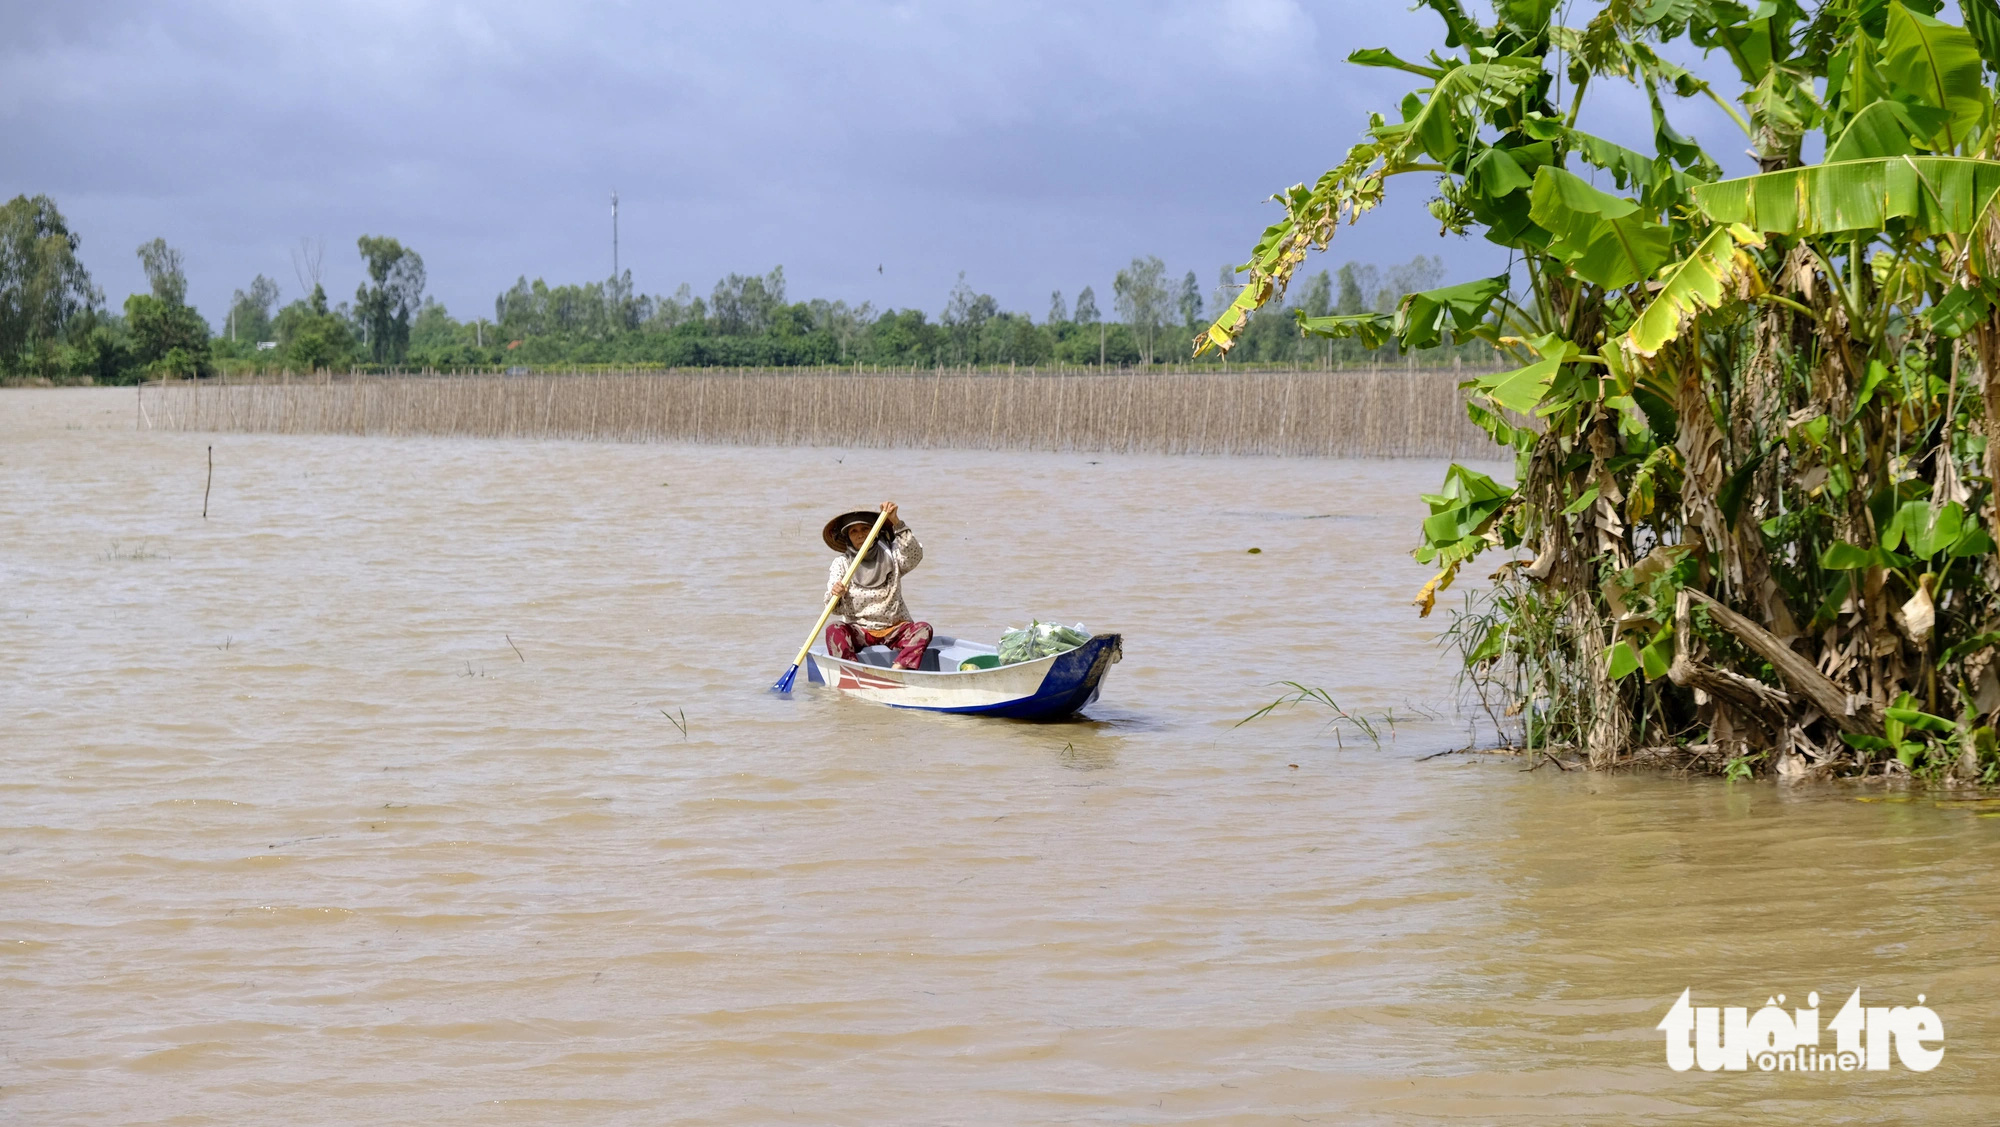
x,y
784,684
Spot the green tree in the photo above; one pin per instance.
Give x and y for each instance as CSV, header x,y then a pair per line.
x,y
965,316
164,272
1189,300
1013,338
99,348
250,310
1352,298
1086,307
1415,276
843,322
1058,310
313,338
384,309
903,337
1317,300
743,305
1140,295
624,310
168,338
43,286
679,308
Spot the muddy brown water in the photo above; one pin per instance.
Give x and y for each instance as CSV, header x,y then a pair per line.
x,y
291,833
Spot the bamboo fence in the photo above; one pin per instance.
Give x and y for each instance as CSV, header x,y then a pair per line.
x,y
1390,413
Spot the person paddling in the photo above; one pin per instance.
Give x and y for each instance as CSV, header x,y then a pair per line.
x,y
871,609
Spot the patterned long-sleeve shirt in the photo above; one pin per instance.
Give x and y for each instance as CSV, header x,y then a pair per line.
x,y
878,608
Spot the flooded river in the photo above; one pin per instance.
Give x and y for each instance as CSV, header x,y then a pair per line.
x,y
366,801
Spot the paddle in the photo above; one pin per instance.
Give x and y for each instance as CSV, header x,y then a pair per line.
x,y
784,684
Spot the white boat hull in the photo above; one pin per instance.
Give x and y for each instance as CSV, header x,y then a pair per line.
x,y
1033,690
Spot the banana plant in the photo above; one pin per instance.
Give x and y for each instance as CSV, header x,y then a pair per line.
x,y
1752,510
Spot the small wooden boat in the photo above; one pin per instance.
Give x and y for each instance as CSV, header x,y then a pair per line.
x,y
1042,689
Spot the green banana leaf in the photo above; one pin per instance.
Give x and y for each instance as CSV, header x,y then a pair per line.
x,y
1449,119
1659,184
1530,16
1373,329
1706,279
1982,22
1882,130
1958,312
1457,528
1668,141
1950,531
1460,29
1521,439
1937,65
1422,318
1937,195
1854,76
1919,719
1628,167
1460,510
1750,43
1842,556
1522,389
1620,660
1420,321
1658,657
1383,57
1497,171
1495,192
1601,237
1440,126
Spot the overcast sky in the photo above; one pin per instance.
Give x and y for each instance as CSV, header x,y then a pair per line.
x,y
1034,146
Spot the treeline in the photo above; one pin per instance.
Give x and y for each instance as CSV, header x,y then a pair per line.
x,y
748,321
54,324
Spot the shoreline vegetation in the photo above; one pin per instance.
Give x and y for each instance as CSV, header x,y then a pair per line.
x,y
1755,421
56,326
1392,412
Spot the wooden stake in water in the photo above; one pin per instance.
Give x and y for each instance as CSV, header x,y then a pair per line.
x,y
210,484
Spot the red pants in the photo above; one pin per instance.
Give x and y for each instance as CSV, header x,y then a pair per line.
x,y
908,639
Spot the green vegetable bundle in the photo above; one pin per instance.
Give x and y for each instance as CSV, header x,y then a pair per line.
x,y
1040,639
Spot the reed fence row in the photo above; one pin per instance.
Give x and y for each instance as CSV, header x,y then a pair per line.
x,y
1393,413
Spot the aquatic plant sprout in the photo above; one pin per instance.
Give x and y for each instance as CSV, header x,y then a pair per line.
x,y
1305,694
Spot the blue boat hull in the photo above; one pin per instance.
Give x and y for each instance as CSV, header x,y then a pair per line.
x,y
1072,682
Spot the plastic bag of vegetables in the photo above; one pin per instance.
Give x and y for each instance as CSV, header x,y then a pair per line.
x,y
1040,639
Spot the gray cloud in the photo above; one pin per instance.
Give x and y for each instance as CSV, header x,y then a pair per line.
x,y
1033,145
